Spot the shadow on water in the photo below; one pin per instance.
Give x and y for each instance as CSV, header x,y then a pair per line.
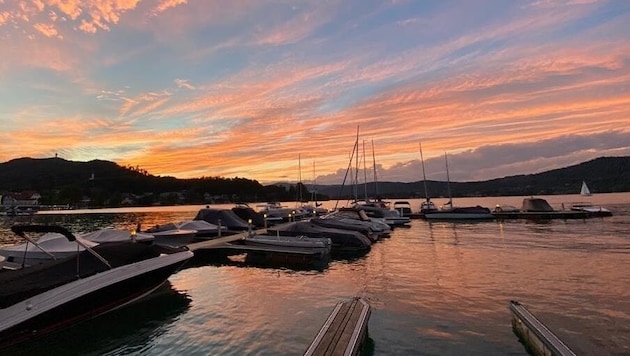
x,y
121,331
245,260
368,347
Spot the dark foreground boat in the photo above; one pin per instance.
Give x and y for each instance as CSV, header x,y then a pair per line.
x,y
35,300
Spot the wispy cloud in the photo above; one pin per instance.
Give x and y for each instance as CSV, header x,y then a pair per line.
x,y
190,88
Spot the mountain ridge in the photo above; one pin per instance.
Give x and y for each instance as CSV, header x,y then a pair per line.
x,y
104,182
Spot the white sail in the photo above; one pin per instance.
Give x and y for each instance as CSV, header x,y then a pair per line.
x,y
585,191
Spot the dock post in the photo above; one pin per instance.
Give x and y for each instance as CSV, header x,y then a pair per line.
x,y
220,228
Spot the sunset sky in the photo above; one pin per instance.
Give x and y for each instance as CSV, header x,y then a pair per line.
x,y
255,89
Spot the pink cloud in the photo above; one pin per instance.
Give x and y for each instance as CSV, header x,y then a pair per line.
x,y
47,30
167,4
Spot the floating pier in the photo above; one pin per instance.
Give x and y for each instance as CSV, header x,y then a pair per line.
x,y
535,335
541,215
260,254
344,332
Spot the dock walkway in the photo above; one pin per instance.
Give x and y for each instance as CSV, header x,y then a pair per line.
x,y
535,334
344,332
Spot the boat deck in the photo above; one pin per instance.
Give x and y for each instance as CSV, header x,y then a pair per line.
x,y
542,215
344,332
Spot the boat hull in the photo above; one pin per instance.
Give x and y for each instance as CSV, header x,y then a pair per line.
x,y
86,298
458,216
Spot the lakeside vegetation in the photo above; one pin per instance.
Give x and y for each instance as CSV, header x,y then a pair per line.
x,y
101,183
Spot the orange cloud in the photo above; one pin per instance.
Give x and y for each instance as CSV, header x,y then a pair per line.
x,y
47,30
167,4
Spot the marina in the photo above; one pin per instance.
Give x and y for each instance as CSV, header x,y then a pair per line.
x,y
433,288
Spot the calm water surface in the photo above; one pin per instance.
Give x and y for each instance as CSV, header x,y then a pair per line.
x,y
435,289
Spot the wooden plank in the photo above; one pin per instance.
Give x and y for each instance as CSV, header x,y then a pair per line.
x,y
344,331
218,242
535,334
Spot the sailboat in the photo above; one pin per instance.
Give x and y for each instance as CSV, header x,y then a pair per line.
x,y
585,191
427,205
450,212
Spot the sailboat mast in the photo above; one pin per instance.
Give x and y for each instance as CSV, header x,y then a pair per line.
x,y
424,177
299,178
374,164
314,195
356,170
349,169
364,173
448,181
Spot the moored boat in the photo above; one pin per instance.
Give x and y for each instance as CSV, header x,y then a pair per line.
x,y
590,209
538,209
403,208
344,242
321,244
39,299
460,213
49,246
450,212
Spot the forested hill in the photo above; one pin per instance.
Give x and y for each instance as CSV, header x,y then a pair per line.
x,y
106,183
60,181
603,175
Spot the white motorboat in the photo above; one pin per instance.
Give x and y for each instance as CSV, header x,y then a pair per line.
x,y
590,209
203,228
116,235
300,241
49,246
40,299
171,230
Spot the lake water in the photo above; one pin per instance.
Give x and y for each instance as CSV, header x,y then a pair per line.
x,y
435,289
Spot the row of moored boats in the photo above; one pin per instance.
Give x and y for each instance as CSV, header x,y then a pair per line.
x,y
56,277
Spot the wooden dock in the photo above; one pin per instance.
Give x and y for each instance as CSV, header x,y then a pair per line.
x,y
344,332
267,255
219,242
535,335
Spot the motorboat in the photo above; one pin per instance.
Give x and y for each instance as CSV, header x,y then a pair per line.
x,y
247,213
40,299
403,208
222,217
49,245
537,209
363,227
590,209
381,211
449,212
115,235
323,244
274,212
344,242
378,225
203,228
170,230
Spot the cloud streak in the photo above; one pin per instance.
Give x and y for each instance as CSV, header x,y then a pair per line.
x,y
194,88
